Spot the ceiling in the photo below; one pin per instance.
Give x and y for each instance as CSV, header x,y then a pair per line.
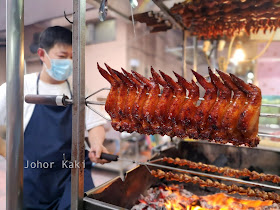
x,y
36,11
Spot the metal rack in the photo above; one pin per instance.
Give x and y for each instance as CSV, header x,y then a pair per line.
x,y
15,69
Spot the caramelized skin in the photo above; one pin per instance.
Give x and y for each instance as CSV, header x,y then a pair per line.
x,y
112,98
232,115
122,95
176,105
205,106
136,125
147,107
151,104
126,123
141,98
185,119
164,103
134,104
213,126
249,118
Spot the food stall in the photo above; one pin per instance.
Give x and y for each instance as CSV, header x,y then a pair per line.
x,y
193,19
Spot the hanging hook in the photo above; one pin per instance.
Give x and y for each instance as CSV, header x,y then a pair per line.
x,y
133,3
103,10
67,17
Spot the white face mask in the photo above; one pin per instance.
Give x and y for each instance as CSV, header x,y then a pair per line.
x,y
60,69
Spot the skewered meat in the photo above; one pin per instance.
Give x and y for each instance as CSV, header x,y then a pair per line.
x,y
135,124
148,106
127,123
213,126
112,98
249,118
231,118
185,119
253,175
176,105
153,99
169,176
134,104
163,104
139,102
205,106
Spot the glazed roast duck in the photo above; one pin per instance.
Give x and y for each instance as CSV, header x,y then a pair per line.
x,y
229,112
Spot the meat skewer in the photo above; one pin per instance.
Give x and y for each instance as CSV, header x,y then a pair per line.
x,y
213,126
232,115
205,106
175,106
135,124
112,97
127,123
163,104
169,176
122,96
185,119
140,107
151,104
146,107
253,175
249,118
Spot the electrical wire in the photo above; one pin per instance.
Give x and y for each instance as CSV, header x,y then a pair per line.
x,y
229,54
265,48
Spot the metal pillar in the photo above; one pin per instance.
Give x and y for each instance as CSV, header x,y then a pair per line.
x,y
194,55
15,69
78,121
185,54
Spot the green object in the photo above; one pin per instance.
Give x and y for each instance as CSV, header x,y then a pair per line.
x,y
272,110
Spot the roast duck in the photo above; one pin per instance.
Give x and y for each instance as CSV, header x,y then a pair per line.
x,y
228,113
211,19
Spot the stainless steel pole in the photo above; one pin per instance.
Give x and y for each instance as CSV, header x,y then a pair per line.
x,y
15,70
185,54
194,55
78,113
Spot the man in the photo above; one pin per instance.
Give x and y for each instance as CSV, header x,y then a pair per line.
x,y
48,129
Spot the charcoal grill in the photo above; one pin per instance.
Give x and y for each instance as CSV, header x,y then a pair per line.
x,y
116,194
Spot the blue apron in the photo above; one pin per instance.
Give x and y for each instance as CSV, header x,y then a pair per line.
x,y
47,153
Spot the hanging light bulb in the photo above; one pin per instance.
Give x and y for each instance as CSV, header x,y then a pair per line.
x,y
239,54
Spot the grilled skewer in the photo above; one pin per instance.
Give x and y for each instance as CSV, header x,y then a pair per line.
x,y
209,183
253,175
171,114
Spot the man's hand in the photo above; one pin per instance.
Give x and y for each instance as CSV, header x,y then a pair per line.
x,y
95,152
96,138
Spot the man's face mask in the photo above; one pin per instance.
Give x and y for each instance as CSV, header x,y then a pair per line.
x,y
60,69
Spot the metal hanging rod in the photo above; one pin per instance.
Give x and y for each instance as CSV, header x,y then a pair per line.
x,y
64,101
201,99
268,135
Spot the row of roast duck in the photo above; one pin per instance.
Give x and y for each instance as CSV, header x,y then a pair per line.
x,y
211,19
228,113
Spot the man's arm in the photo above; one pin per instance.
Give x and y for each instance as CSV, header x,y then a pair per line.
x,y
96,138
3,104
2,147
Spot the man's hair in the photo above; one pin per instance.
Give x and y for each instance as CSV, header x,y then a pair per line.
x,y
55,35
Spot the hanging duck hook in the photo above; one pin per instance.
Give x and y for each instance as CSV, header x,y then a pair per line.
x,y
133,3
103,10
67,17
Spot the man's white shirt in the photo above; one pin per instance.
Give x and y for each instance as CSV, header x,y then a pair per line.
x,y
30,87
